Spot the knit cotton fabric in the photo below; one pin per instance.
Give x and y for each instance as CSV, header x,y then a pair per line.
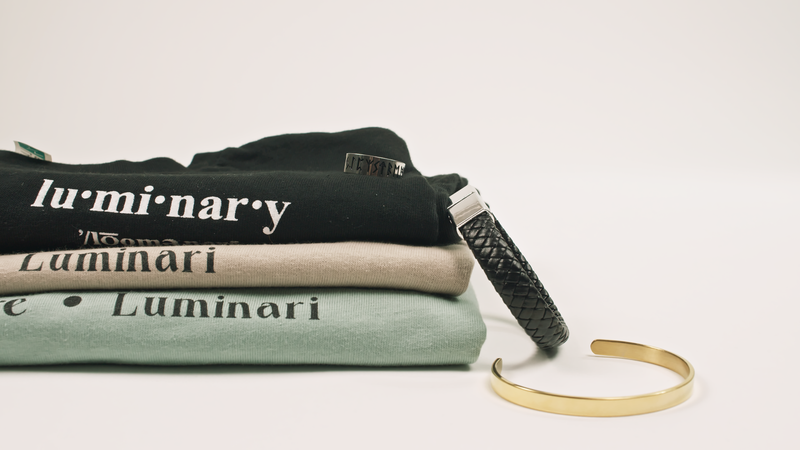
x,y
366,327
278,190
438,269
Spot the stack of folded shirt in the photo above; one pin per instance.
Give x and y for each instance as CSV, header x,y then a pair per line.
x,y
263,254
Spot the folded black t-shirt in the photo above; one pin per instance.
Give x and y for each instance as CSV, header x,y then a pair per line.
x,y
281,189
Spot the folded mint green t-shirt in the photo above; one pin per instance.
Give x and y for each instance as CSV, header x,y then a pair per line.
x,y
341,326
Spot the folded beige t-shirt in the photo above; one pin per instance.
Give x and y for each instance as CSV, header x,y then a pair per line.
x,y
442,270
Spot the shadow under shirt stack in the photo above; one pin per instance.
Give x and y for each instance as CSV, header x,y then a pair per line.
x,y
263,254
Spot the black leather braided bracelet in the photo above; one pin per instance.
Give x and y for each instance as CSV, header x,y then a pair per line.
x,y
507,269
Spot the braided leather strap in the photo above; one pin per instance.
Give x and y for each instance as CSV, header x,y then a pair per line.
x,y
514,279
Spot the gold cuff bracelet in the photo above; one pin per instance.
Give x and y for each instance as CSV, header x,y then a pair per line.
x,y
605,406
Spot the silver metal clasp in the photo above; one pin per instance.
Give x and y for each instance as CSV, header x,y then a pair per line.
x,y
467,204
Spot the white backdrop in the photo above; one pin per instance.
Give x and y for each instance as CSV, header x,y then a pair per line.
x,y
644,155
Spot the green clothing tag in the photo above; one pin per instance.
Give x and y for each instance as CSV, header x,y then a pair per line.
x,y
31,152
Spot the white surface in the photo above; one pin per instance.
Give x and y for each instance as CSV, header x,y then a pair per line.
x,y
645,157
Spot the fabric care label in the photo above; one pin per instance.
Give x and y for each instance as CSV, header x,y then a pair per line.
x,y
27,150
